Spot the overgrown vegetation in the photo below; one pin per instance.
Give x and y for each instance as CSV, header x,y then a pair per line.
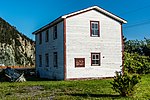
x,y
135,63
137,56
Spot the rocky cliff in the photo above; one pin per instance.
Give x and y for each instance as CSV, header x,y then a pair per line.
x,y
15,48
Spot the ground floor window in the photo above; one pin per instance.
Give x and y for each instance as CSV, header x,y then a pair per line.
x,y
55,59
79,62
46,60
95,59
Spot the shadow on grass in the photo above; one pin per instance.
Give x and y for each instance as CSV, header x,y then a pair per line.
x,y
94,95
34,78
30,75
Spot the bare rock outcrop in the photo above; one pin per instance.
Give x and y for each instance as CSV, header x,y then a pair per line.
x,y
15,47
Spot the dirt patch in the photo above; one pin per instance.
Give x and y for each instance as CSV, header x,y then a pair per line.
x,y
29,92
33,88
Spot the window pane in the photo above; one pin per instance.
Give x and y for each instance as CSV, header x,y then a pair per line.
x,y
55,59
55,32
40,38
93,61
47,35
97,56
40,61
93,57
95,28
47,60
93,32
96,32
92,25
97,62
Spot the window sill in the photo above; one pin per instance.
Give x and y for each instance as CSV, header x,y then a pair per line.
x,y
95,36
95,65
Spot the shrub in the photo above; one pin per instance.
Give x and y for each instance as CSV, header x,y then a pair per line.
x,y
134,63
124,84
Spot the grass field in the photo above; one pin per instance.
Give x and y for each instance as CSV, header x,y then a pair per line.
x,y
70,90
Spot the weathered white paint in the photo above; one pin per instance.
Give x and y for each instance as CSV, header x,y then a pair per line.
x,y
50,47
81,45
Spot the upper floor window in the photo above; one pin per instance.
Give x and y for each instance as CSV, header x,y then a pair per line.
x,y
40,38
46,60
55,32
94,28
47,36
55,62
95,59
40,60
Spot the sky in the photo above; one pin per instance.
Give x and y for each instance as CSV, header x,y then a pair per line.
x,y
29,15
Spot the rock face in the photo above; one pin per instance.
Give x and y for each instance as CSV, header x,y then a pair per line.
x,y
15,48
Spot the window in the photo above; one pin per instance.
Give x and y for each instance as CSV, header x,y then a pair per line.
x,y
40,38
47,60
55,59
94,28
55,32
95,59
40,60
47,36
79,62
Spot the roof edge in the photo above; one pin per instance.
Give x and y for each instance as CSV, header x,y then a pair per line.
x,y
99,9
117,18
48,25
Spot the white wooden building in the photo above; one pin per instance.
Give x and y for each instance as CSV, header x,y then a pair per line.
x,y
84,44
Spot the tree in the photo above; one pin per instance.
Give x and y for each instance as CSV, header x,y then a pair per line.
x,y
142,47
146,47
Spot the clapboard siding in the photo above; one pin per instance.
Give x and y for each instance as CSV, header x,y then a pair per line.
x,y
79,44
75,41
50,47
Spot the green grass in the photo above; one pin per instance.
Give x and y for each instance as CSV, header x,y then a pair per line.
x,y
70,90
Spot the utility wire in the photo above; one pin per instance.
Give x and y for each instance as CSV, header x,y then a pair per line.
x,y
141,23
138,24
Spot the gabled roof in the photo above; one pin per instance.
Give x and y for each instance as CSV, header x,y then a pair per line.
x,y
121,20
98,9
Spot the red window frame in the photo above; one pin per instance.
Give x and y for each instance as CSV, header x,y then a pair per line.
x,y
79,62
91,29
96,59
